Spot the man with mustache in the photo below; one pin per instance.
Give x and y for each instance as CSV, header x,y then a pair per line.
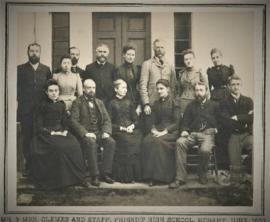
x,y
152,70
199,126
91,122
31,79
101,71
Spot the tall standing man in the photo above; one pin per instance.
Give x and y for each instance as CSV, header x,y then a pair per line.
x,y
101,71
237,118
152,70
91,122
31,79
75,56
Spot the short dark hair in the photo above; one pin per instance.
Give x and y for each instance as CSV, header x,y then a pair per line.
x,y
49,83
188,51
201,83
128,47
33,44
72,47
234,77
164,82
67,56
216,50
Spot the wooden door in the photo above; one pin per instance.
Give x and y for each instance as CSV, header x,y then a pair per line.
x,y
117,29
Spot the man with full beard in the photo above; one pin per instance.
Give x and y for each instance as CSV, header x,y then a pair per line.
x,y
101,71
31,79
199,126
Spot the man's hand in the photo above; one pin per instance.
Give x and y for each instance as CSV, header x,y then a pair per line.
x,y
234,118
184,134
160,133
91,135
147,110
105,135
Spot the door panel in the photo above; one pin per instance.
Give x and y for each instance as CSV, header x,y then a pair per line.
x,y
117,29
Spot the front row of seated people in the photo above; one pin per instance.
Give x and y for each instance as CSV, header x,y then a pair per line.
x,y
63,145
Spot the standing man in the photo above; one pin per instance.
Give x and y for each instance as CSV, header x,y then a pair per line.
x,y
152,70
91,122
101,71
199,127
31,79
75,56
237,118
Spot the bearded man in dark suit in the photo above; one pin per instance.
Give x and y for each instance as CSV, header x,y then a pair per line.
x,y
31,79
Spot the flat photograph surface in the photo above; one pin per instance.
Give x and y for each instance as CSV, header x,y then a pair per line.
x,y
152,109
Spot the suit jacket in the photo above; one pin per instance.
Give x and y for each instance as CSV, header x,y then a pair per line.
x,y
103,77
132,83
80,116
152,71
243,109
30,87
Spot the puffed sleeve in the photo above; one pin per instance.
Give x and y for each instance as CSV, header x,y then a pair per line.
x,y
79,85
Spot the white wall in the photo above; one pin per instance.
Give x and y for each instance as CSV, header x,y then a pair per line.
x,y
34,27
81,35
233,33
162,26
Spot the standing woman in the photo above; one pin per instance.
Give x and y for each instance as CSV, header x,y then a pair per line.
x,y
158,157
127,164
218,76
57,159
70,83
130,73
188,78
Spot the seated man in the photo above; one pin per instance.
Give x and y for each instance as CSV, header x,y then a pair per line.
x,y
198,128
237,118
91,122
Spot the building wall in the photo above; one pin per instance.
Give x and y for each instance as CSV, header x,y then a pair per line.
x,y
34,27
233,33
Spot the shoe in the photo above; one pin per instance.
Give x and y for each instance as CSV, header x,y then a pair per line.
x,y
86,184
108,179
176,184
203,180
95,182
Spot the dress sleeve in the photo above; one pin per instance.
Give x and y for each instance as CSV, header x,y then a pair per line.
x,y
79,85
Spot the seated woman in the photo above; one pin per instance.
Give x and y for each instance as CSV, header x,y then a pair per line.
x,y
126,134
56,155
70,83
158,147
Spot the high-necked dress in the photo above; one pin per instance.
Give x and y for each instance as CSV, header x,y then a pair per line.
x,y
57,161
158,156
218,79
70,86
127,165
188,78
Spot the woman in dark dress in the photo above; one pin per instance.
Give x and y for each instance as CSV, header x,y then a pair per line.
x,y
56,155
127,166
130,73
158,147
218,76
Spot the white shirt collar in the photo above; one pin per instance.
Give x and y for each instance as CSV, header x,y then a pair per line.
x,y
35,66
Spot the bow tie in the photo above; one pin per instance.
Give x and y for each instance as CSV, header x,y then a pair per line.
x,y
74,69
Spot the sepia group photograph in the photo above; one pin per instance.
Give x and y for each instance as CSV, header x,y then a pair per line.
x,y
150,109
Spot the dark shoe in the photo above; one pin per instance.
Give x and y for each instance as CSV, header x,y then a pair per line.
x,y
107,179
86,184
203,180
176,184
95,182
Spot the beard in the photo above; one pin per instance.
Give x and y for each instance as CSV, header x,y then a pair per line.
x,y
102,59
200,98
90,95
34,59
74,61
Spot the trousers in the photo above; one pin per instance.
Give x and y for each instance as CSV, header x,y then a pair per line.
x,y
205,141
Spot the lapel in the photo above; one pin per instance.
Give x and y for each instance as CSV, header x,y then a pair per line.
x,y
86,103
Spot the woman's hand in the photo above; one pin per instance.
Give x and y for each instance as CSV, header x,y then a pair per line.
x,y
160,133
130,128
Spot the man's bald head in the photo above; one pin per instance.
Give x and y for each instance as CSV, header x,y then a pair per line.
x,y
89,87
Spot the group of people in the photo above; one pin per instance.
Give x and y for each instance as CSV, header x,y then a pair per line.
x,y
129,123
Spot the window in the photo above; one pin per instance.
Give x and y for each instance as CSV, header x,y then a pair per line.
x,y
60,37
182,36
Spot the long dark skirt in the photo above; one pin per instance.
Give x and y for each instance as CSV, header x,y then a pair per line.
x,y
158,157
127,164
57,161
